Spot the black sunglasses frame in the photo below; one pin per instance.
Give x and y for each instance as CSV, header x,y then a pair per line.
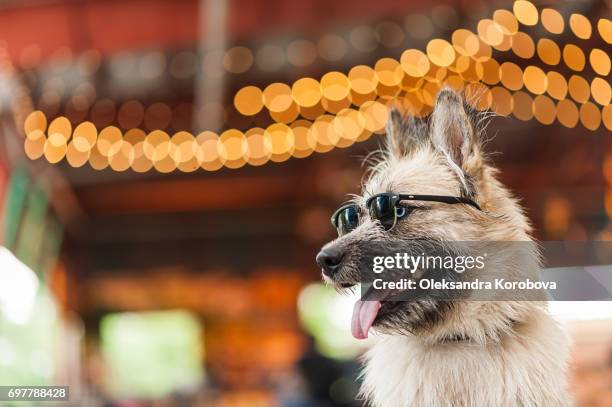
x,y
395,200
425,198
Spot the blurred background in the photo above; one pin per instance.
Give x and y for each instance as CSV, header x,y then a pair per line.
x,y
168,169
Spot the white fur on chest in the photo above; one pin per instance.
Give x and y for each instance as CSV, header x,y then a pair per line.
x,y
525,370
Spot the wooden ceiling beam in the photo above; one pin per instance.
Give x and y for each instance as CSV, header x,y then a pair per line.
x,y
181,195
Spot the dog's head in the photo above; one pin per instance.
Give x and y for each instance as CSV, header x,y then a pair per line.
x,y
438,156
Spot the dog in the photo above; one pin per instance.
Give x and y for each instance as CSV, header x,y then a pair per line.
x,y
459,352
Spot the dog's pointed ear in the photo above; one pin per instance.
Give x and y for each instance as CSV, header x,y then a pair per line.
x,y
453,131
404,133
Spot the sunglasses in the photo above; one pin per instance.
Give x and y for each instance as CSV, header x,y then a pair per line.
x,y
386,209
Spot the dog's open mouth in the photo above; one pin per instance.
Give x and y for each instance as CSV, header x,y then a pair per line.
x,y
367,309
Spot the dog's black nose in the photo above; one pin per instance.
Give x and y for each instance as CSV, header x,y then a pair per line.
x,y
329,259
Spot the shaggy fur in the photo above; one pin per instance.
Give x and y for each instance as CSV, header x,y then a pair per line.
x,y
509,353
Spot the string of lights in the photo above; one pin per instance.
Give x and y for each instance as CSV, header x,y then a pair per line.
x,y
469,54
501,33
339,110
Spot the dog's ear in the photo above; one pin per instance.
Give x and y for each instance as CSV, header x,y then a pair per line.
x,y
453,131
404,133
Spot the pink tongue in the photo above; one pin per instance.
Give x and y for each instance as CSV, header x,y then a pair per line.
x,y
364,314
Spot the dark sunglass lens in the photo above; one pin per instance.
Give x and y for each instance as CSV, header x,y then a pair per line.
x,y
348,219
382,208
